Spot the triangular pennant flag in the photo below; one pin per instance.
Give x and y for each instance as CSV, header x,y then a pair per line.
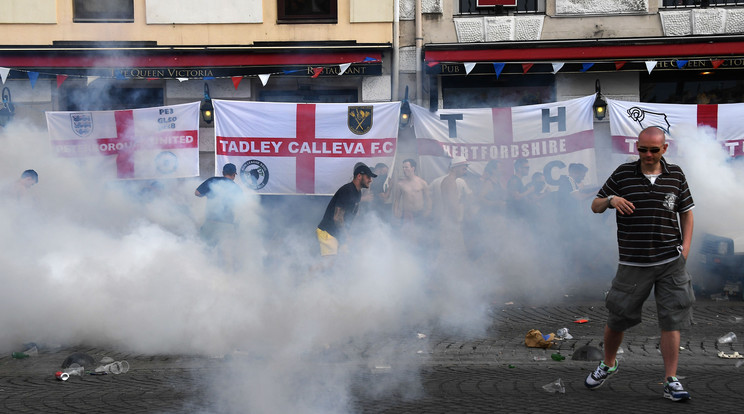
x,y
317,72
716,63
119,75
619,64
4,74
557,66
60,80
92,79
650,65
236,81
342,68
469,67
526,67
33,76
287,72
681,63
264,78
585,66
208,77
150,79
182,79
369,59
432,64
498,67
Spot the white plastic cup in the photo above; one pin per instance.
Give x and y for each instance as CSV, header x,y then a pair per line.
x,y
727,339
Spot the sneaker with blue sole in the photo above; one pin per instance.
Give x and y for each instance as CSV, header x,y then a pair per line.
x,y
674,391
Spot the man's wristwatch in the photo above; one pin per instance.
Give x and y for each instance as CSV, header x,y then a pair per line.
x,y
609,200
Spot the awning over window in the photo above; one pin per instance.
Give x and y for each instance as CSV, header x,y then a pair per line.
x,y
161,62
584,55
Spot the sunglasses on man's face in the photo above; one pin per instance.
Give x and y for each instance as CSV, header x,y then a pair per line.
x,y
653,150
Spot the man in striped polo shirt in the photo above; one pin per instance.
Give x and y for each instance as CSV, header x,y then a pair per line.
x,y
648,195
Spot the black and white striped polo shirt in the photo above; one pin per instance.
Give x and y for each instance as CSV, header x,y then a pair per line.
x,y
651,234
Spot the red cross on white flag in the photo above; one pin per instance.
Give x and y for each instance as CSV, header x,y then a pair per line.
x,y
147,143
627,119
288,148
559,131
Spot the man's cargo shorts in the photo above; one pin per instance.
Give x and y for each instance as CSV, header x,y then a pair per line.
x,y
632,286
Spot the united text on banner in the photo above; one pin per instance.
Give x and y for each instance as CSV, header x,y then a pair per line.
x,y
552,135
627,119
147,143
290,148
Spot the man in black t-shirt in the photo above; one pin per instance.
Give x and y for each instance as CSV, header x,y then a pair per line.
x,y
341,211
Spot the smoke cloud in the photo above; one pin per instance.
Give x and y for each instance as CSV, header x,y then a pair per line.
x,y
121,265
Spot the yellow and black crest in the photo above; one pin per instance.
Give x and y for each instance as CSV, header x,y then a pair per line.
x,y
360,119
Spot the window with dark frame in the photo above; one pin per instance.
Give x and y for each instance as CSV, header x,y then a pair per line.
x,y
102,96
523,6
103,11
672,4
307,11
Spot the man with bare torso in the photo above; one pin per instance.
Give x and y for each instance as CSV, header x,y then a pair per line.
x,y
411,200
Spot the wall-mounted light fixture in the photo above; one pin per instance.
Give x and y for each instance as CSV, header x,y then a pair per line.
x,y
405,112
7,109
206,108
600,105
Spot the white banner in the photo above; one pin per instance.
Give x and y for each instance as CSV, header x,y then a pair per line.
x,y
147,143
549,135
289,148
627,119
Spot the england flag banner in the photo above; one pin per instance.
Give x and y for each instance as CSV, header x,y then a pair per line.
x,y
291,148
147,143
551,136
627,119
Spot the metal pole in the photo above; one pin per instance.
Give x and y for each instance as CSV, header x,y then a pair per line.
x,y
396,50
419,46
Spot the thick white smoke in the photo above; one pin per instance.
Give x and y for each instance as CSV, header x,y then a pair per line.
x,y
120,265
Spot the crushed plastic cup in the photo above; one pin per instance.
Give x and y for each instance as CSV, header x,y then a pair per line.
x,y
563,334
727,339
555,386
116,367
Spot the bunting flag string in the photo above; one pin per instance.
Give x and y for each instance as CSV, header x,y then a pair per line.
x,y
498,67
586,66
264,78
469,67
557,66
342,68
650,65
619,64
681,63
33,76
526,67
60,80
236,81
4,74
716,63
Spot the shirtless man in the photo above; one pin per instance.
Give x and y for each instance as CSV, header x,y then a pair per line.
x,y
411,200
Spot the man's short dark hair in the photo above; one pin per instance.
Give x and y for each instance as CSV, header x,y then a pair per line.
x,y
519,162
410,161
32,174
229,169
380,165
577,168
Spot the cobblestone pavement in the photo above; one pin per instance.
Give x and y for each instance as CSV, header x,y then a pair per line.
x,y
494,372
